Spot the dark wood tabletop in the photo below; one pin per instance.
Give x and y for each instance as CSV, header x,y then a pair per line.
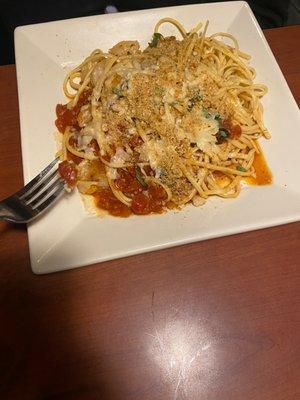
x,y
213,320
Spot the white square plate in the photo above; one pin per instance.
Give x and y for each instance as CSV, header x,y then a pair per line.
x,y
67,236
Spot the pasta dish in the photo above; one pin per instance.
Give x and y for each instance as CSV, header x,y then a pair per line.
x,y
149,130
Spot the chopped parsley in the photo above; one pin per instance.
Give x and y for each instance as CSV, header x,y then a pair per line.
x,y
218,118
221,135
206,113
241,169
118,91
156,37
215,115
139,177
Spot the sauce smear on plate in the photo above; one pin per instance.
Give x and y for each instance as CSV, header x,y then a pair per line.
x,y
263,173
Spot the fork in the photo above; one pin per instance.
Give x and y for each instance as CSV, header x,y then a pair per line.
x,y
34,198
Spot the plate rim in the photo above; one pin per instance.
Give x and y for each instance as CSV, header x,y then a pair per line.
x,y
231,230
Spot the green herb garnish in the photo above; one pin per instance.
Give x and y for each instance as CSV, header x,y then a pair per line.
x,y
206,113
155,39
118,91
241,169
139,177
223,134
218,118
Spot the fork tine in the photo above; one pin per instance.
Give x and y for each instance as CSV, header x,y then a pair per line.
x,y
41,207
37,178
31,193
44,192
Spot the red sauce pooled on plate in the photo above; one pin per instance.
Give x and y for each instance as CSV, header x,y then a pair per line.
x,y
263,173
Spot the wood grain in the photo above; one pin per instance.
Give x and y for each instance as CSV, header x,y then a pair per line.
x,y
212,320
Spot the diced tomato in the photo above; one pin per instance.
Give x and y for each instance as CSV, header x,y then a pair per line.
x,y
149,201
226,124
68,172
73,141
121,127
83,98
106,200
140,204
157,197
148,170
68,117
127,183
144,200
135,141
94,146
65,117
70,156
156,192
60,110
235,131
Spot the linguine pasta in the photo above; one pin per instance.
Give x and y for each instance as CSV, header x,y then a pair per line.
x,y
175,123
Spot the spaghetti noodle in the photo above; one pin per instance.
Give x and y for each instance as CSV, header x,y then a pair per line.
x,y
175,123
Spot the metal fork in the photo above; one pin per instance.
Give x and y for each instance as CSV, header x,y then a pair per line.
x,y
34,198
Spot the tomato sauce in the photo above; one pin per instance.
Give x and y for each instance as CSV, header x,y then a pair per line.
x,y
146,199
94,146
149,201
106,200
68,172
127,182
135,141
263,173
228,130
73,142
234,130
68,117
71,157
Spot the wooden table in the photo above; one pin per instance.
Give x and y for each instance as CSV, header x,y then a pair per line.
x,y
211,320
